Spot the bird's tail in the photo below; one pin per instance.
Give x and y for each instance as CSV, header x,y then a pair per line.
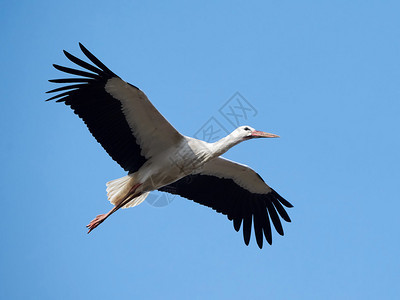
x,y
118,189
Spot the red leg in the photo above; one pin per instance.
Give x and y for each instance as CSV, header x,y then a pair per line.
x,y
101,218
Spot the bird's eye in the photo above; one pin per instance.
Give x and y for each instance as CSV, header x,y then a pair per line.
x,y
246,128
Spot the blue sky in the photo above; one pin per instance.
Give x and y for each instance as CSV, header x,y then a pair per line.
x,y
324,75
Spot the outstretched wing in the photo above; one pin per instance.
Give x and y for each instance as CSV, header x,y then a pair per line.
x,y
118,114
237,191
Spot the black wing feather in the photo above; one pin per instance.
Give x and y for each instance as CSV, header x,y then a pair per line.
x,y
247,218
82,63
98,109
266,225
279,208
237,223
274,217
240,205
67,87
259,216
75,72
96,61
70,80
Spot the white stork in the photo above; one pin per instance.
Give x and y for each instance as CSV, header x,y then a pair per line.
x,y
158,157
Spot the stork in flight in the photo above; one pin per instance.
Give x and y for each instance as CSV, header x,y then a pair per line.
x,y
158,157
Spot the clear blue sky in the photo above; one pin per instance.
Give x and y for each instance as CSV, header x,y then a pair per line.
x,y
324,75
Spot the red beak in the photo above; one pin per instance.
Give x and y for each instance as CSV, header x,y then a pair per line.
x,y
262,134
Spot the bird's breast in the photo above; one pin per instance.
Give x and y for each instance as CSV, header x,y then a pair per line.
x,y
171,166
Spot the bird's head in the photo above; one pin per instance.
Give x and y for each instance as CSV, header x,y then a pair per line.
x,y
240,134
247,132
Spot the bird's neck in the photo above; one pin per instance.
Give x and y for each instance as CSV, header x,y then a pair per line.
x,y
224,144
